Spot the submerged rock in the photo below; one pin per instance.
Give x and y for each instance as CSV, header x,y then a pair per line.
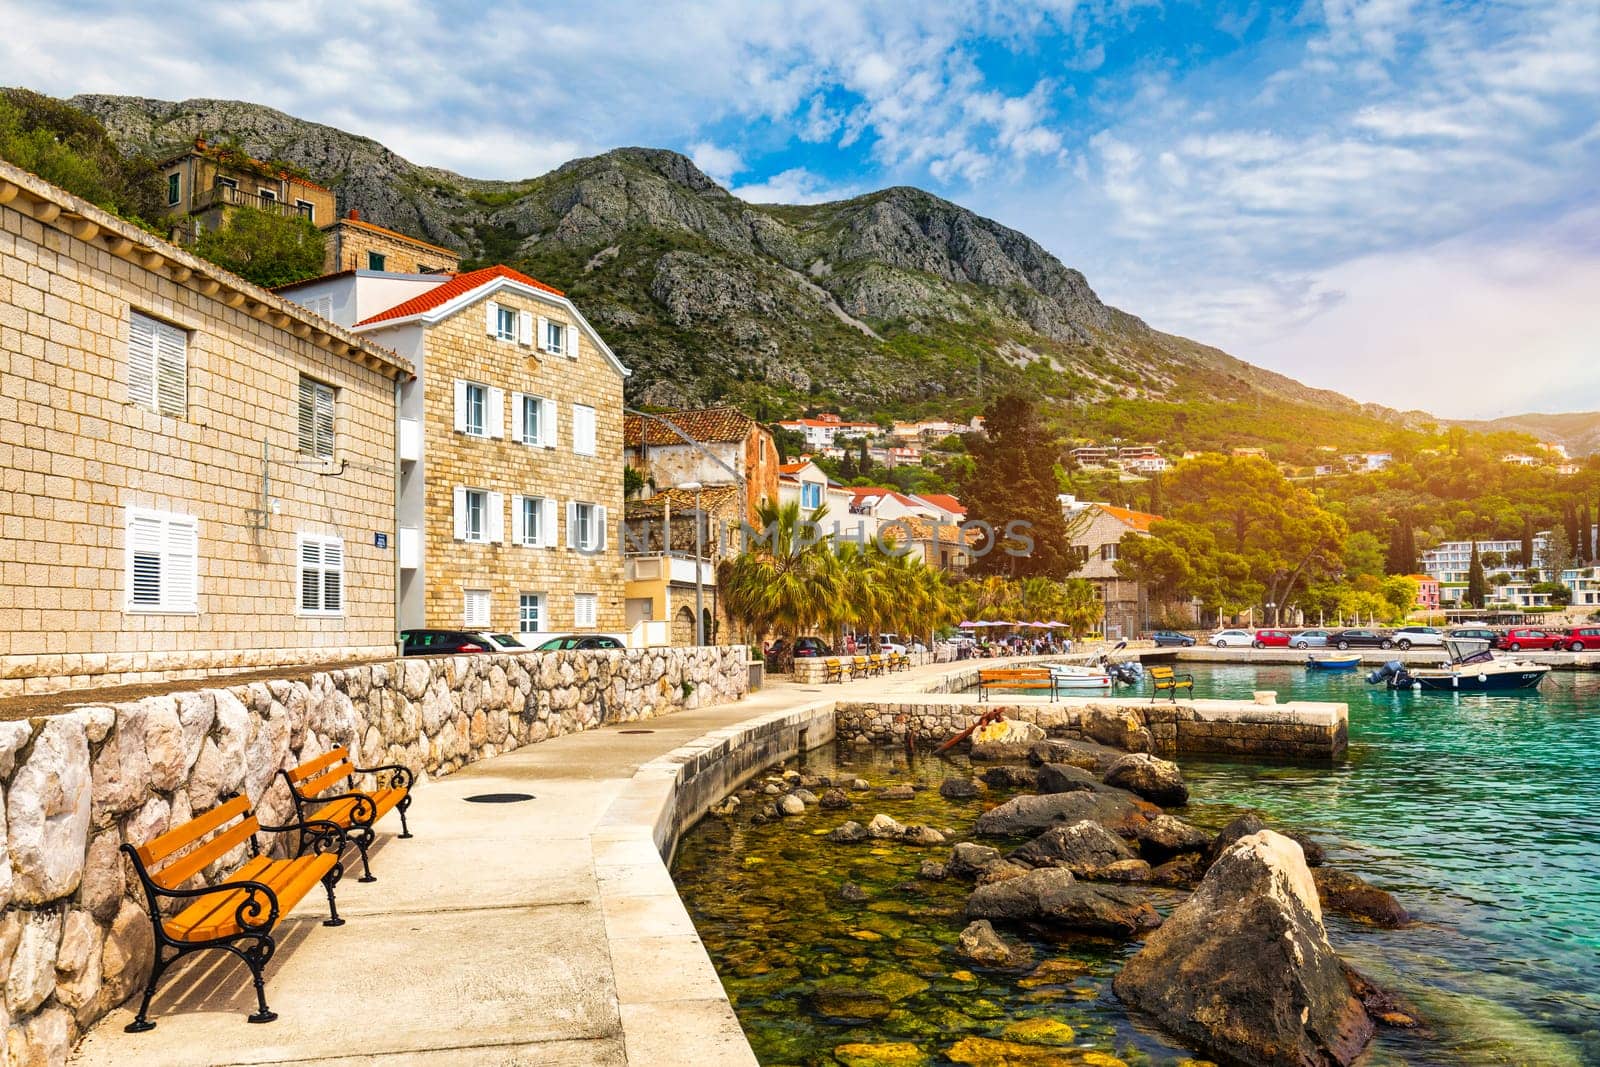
x,y
961,788
1053,896
791,805
852,892
834,800
980,944
1030,814
882,826
1009,777
1389,1009
1157,780
917,834
999,751
1079,848
1243,968
1180,873
932,871
903,791
1163,836
848,833
1351,895
893,1054
1088,755
1065,778
805,796
992,1052
1039,1032
859,785
968,860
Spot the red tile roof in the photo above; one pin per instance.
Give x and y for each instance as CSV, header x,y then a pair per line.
x,y
458,285
945,501
1138,520
702,424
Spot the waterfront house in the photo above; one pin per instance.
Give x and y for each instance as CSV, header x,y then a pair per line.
x,y
1448,563
206,182
1427,592
198,474
827,430
711,446
510,448
1096,531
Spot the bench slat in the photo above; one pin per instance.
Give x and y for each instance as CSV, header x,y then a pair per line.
x,y
311,767
326,780
190,864
161,846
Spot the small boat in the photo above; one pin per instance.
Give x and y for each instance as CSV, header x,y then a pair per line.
x,y
1333,663
1073,677
1471,668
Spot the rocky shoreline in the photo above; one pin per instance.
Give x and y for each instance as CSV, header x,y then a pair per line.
x,y
1240,970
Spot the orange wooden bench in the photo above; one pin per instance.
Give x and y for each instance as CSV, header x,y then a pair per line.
x,y
354,810
1011,678
239,914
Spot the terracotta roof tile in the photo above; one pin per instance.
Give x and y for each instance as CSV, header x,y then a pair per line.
x,y
945,501
702,424
1138,520
458,285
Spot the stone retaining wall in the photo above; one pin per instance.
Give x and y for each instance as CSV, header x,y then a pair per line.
x,y
1221,727
74,937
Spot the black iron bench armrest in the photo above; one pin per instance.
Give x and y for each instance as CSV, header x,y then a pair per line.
x,y
326,836
259,897
404,779
364,812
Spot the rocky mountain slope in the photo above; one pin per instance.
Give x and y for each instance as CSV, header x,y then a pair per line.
x,y
897,300
1579,431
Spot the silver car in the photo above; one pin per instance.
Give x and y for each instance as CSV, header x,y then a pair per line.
x,y
1232,639
1309,639
1419,636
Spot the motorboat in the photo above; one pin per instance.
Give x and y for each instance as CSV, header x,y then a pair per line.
x,y
1471,668
1071,676
1332,663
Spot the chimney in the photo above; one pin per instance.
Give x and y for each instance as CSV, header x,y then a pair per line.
x,y
354,215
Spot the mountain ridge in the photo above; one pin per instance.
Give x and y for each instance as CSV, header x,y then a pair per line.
x,y
894,300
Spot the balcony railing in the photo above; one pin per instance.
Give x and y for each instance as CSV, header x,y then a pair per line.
x,y
229,196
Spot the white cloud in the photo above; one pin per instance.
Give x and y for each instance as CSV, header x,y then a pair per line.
x,y
721,164
794,186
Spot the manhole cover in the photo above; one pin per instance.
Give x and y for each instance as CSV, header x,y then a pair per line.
x,y
498,798
635,731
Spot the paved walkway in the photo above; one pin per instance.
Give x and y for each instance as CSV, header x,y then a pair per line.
x,y
485,939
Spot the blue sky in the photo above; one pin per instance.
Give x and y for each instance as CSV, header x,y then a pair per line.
x,y
1400,200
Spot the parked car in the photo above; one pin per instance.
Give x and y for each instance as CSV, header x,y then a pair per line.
x,y
1475,633
1582,637
1421,636
1520,638
1343,639
504,642
890,643
1309,639
442,642
804,648
1271,639
1171,639
1231,639
579,643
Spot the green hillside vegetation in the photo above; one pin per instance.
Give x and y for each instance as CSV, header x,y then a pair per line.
x,y
70,148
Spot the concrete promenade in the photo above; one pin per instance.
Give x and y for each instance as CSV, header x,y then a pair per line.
x,y
546,932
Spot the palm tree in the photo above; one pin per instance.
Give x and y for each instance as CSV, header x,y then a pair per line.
x,y
782,584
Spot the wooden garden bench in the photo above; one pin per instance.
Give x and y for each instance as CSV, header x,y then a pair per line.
x,y
1165,680
860,667
899,661
238,915
833,670
875,663
1015,678
353,810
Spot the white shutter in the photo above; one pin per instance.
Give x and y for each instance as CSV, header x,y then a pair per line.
x,y
497,412
519,532
143,548
547,423
544,334
496,503
333,575
525,327
583,430
491,315
142,361
461,512
183,550
572,524
600,528
310,574
461,406
516,417
572,342
172,370
547,523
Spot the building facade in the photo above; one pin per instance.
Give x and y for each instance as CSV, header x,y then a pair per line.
x,y
355,244
206,181
828,430
198,474
510,449
1097,531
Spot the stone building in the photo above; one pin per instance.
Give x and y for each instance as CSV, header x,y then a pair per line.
x,y
197,474
355,244
725,447
1097,530
205,181
510,448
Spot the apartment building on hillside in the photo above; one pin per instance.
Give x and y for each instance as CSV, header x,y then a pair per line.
x,y
356,244
205,182
197,474
510,448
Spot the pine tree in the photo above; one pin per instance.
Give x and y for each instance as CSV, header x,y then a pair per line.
x,y
864,461
1477,588
1584,546
1014,481
1402,558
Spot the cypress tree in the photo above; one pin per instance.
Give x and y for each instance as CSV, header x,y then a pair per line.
x,y
1527,544
1477,587
1402,558
1583,545
1575,539
864,461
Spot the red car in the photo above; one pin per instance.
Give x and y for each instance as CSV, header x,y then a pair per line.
x,y
1271,639
1527,639
1582,637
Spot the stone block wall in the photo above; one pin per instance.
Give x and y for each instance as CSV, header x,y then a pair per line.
x,y
75,940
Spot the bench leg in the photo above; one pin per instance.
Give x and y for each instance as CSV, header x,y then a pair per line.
x,y
256,957
362,837
329,880
141,1022
405,802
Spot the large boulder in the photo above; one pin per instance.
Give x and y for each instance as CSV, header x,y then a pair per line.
x,y
1007,776
968,860
1351,895
1165,836
1244,826
1052,896
1157,780
980,944
1032,814
1065,778
1243,970
1080,848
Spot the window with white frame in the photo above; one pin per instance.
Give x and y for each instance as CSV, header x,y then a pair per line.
x,y
321,575
533,420
811,495
530,613
477,409
531,517
585,609
158,365
307,209
268,196
583,430
480,409
586,526
478,517
505,324
316,418
475,608
162,551
555,337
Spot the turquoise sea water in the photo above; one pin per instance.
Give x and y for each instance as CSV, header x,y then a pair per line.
x,y
1482,813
